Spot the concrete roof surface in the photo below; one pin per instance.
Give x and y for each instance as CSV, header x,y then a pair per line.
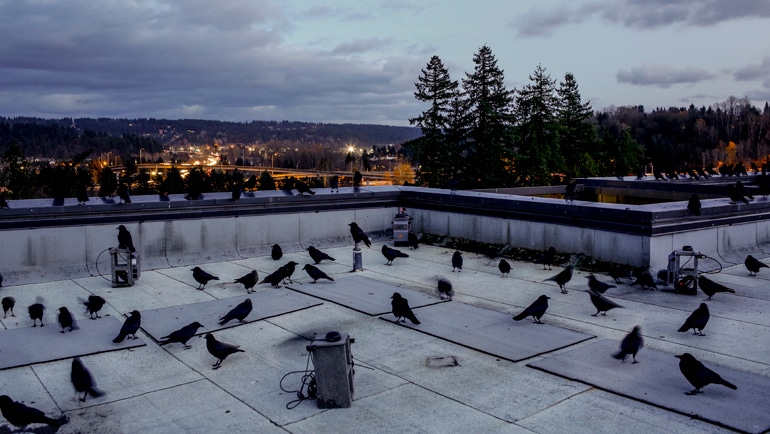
x,y
160,389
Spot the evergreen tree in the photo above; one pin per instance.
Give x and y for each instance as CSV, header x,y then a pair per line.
x,y
107,182
15,175
266,181
173,183
577,138
488,150
539,156
436,154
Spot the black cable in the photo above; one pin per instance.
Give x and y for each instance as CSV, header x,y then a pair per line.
x,y
97,264
308,380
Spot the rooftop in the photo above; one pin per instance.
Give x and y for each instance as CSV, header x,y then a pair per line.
x,y
399,387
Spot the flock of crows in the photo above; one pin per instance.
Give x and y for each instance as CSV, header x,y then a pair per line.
x,y
693,370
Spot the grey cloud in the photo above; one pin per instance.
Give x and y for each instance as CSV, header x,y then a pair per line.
x,y
754,72
662,75
643,14
361,45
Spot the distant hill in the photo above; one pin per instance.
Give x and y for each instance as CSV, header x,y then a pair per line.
x,y
46,136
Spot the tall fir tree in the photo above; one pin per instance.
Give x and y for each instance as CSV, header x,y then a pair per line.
x,y
435,151
489,148
539,156
577,133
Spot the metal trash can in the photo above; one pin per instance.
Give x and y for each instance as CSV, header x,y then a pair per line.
x,y
125,267
402,224
333,363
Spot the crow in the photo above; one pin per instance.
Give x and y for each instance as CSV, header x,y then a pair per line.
x,y
597,285
753,265
742,190
220,350
546,258
36,313
504,267
8,304
276,252
645,280
620,271
235,192
125,241
250,183
659,176
357,178
20,415
697,320
569,194
302,188
709,287
334,184
182,335
535,310
248,280
275,277
457,261
3,201
82,195
315,273
318,255
694,204
734,195
699,375
130,327
93,305
239,312
401,309
445,289
123,193
562,278
82,380
288,269
601,303
391,254
66,320
631,344
359,236
202,277
414,242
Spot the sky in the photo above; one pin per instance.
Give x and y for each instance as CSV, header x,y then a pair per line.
x,y
357,61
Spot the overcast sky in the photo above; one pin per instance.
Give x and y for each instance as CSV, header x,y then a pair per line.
x,y
357,61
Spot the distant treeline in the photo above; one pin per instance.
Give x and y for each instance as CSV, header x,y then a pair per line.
x,y
62,138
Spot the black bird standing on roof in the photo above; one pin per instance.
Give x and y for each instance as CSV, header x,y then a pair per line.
x,y
697,320
645,280
83,381
334,184
235,192
20,415
248,280
414,242
315,273
457,261
357,178
699,375
318,255
288,270
601,303
3,202
239,312
547,258
359,236
620,271
694,204
36,312
182,335
130,327
504,267
597,285
220,350
202,277
569,194
276,252
125,241
401,309
763,184
391,254
302,188
753,265
742,190
535,310
659,176
630,345
734,195
709,287
93,305
8,304
82,195
66,320
274,278
445,289
123,193
562,278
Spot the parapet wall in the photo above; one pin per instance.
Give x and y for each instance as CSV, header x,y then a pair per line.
x,y
41,242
